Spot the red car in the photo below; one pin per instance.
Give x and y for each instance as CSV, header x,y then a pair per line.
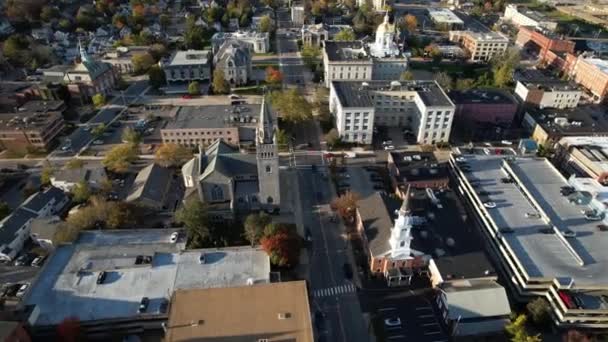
x,y
186,97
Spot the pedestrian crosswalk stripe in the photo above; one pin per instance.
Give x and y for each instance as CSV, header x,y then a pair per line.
x,y
336,290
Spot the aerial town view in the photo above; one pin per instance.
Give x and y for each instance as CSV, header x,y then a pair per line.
x,y
304,170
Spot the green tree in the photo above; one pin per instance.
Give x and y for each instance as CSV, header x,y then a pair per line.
x,y
98,100
171,154
291,105
16,49
220,85
164,21
444,80
195,218
282,139
65,25
81,192
503,66
194,88
142,62
465,83
98,130
517,329
131,136
345,35
45,175
119,158
254,227
407,76
266,24
156,77
311,56
332,138
48,13
540,312
193,34
5,210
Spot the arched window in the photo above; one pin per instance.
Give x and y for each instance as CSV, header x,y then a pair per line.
x,y
217,194
269,199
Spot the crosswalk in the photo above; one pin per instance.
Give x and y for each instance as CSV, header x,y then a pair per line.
x,y
336,290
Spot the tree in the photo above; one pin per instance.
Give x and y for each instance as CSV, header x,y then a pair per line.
x,y
81,192
120,214
311,56
119,158
156,77
193,35
517,329
194,88
5,210
142,62
465,83
164,21
539,310
171,154
345,35
273,76
282,139
411,23
443,79
503,67
220,85
332,138
98,130
346,205
194,217
45,175
292,107
282,244
407,76
265,24
16,49
48,13
98,100
131,136
254,227
119,21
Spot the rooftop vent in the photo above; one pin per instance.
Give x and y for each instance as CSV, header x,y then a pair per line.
x,y
284,315
250,281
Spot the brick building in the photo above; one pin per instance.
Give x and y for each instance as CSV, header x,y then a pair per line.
x,y
542,42
417,169
535,88
591,73
34,126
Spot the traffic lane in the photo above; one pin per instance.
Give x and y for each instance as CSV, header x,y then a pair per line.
x,y
106,115
17,274
136,88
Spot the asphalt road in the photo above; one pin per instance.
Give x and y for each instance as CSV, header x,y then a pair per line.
x,y
290,61
17,274
334,296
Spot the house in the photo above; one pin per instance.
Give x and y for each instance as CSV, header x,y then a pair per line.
x,y
261,12
230,181
256,42
15,228
316,34
234,60
150,187
474,309
188,66
277,311
67,178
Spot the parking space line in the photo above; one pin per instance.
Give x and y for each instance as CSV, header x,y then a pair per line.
x,y
387,309
395,337
424,308
432,333
426,316
429,324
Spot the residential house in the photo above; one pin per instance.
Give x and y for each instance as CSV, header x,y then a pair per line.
x,y
151,186
256,42
67,178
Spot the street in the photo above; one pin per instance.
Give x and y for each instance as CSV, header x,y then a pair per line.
x,y
290,61
335,298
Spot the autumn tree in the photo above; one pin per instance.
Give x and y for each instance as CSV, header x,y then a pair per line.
x,y
254,227
81,192
517,329
131,136
194,88
346,205
291,106
220,85
193,34
195,218
345,35
273,76
74,163
282,244
142,62
407,76
265,24
411,23
540,312
98,130
119,158
443,79
171,155
98,100
45,175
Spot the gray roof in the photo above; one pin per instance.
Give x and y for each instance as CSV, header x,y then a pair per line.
x,y
215,116
66,286
232,51
475,299
377,221
359,94
228,161
38,200
482,96
76,175
189,57
151,184
541,80
543,256
12,223
346,51
580,121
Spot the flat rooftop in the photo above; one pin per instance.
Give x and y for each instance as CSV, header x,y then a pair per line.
x,y
534,78
346,51
585,120
601,64
66,286
190,57
277,311
485,96
487,36
214,116
444,15
27,120
361,94
541,255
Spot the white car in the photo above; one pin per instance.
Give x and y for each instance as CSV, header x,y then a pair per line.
x,y
460,159
392,322
174,237
389,147
489,205
22,290
506,142
98,142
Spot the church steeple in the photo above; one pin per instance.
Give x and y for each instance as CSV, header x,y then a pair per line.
x,y
401,234
84,56
265,124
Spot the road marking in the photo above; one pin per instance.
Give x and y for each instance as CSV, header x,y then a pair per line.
x,y
334,291
424,308
396,337
429,324
426,316
387,309
433,333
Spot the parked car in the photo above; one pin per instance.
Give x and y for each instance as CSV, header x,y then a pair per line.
x,y
24,260
602,228
567,233
174,237
38,261
547,230
98,142
101,277
489,205
22,290
164,304
506,230
143,305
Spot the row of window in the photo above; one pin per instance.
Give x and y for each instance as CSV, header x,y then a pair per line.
x,y
356,128
194,141
348,121
356,114
355,136
190,133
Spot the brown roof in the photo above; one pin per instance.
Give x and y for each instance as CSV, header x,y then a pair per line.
x,y
277,312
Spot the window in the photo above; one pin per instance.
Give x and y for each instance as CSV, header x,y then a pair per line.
x,y
217,194
268,169
402,244
269,199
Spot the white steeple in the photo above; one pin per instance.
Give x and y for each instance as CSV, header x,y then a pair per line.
x,y
384,44
401,234
84,56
